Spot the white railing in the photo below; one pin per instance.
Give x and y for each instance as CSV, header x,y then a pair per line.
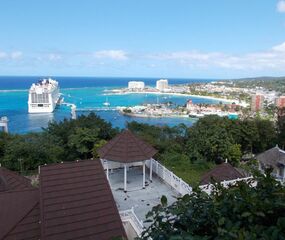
x,y
130,216
169,177
208,188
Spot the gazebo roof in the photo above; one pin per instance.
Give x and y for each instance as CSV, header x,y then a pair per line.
x,y
126,148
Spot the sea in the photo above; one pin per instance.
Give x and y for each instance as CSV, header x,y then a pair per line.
x,y
87,93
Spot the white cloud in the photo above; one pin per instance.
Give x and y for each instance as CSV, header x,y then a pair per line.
x,y
111,54
279,48
281,6
3,55
273,58
16,55
54,57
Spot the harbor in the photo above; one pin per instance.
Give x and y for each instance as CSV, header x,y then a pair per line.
x,y
83,100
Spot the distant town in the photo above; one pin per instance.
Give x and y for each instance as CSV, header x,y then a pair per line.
x,y
234,101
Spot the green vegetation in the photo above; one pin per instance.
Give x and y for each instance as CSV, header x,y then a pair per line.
x,y
64,141
127,110
188,152
239,212
230,95
270,83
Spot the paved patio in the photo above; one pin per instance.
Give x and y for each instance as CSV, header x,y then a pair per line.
x,y
141,199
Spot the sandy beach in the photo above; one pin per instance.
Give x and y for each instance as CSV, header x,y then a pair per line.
x,y
224,100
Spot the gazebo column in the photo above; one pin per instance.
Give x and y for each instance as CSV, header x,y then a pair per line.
x,y
125,177
150,170
143,174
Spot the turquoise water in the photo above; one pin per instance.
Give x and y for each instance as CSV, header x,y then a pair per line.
x,y
84,93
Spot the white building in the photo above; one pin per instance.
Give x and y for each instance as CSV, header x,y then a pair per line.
x,y
136,85
190,106
162,85
4,123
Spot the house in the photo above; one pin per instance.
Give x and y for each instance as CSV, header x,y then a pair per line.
x,y
273,158
73,201
222,172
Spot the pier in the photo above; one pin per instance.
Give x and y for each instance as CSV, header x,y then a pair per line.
x,y
97,109
73,109
4,124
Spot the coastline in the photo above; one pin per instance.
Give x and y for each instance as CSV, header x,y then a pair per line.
x,y
154,116
225,100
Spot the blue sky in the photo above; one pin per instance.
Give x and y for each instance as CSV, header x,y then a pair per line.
x,y
149,38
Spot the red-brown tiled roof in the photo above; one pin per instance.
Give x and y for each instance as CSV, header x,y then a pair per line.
x,y
10,180
221,172
19,215
126,148
76,202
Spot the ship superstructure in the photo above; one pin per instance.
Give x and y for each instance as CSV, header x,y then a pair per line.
x,y
43,96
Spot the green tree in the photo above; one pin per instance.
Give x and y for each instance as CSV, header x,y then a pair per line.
x,y
96,146
27,152
239,212
82,141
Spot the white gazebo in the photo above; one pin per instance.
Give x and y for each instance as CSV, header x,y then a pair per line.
x,y
126,150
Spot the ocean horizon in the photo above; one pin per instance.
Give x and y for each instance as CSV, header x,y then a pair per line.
x,y
86,92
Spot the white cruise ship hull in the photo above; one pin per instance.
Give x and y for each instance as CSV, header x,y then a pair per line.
x,y
41,108
43,96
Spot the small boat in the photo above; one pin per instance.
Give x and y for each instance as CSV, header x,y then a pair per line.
x,y
106,103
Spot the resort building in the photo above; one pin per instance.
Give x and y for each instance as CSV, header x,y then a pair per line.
x,y
280,102
162,85
257,102
136,85
273,158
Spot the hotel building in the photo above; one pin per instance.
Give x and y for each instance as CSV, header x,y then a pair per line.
x,y
162,84
257,102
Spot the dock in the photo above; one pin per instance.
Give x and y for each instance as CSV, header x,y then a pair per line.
x,y
94,109
4,124
73,109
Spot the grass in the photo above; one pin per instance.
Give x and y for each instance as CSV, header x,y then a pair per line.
x,y
190,172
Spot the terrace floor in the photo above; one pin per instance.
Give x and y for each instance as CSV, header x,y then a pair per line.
x,y
142,200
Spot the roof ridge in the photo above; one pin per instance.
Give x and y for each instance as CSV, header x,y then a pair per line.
x,y
112,142
139,146
20,220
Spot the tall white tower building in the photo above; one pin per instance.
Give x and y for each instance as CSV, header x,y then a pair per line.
x,y
162,84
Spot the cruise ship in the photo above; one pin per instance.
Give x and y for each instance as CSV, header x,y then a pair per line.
x,y
43,96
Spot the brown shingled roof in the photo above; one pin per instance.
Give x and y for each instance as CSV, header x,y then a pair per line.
x,y
126,148
10,180
221,172
18,219
76,202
